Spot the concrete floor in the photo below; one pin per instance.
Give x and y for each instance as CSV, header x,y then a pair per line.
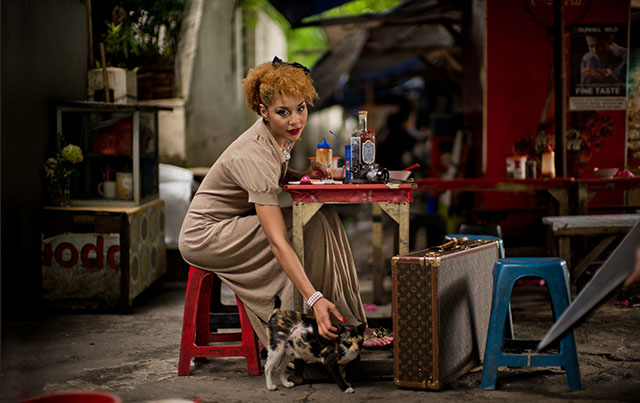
x,y
135,356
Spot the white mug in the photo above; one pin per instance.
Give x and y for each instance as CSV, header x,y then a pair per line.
x,y
124,187
107,189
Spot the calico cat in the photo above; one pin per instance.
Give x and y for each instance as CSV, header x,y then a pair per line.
x,y
291,335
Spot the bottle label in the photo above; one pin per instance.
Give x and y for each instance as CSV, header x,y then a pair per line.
x,y
355,152
368,152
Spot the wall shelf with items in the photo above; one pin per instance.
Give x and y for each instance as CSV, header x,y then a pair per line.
x,y
120,145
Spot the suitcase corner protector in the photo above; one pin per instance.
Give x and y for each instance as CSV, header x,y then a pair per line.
x,y
431,384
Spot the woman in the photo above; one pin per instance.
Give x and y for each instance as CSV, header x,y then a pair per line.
x,y
236,227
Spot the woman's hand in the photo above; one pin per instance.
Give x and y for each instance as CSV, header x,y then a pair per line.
x,y
316,170
322,310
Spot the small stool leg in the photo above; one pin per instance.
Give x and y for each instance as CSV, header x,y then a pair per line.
x,y
495,337
571,366
189,324
249,339
204,302
560,298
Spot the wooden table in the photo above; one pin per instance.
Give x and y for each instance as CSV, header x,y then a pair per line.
x,y
587,189
562,228
391,198
558,188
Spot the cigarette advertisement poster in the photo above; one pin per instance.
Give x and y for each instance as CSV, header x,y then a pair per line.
x,y
598,67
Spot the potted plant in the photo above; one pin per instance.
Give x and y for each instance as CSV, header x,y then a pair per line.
x,y
114,71
142,37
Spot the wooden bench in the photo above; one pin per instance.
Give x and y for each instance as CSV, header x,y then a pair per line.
x,y
562,228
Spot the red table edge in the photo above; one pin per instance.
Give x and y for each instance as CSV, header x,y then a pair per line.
x,y
352,193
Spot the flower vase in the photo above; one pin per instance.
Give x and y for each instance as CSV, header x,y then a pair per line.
x,y
61,193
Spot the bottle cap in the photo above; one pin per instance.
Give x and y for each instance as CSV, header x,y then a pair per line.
x,y
324,144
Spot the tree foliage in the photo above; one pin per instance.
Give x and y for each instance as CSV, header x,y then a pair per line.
x,y
306,45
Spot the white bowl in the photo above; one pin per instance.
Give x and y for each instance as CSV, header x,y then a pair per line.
x,y
605,173
399,175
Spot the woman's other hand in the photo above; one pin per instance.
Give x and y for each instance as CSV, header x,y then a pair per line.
x,y
322,310
315,170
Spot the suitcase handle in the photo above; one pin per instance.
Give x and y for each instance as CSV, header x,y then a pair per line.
x,y
452,243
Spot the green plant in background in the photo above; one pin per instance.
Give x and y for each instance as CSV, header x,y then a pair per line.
x,y
358,7
307,44
121,44
157,22
141,30
59,169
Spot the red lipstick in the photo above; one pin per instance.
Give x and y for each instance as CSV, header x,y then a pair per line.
x,y
294,132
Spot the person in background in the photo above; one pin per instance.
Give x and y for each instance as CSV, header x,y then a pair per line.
x,y
396,142
236,228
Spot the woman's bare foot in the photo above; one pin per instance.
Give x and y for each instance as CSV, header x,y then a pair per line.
x,y
377,339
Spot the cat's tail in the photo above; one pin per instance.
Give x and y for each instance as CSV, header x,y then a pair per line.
x,y
275,310
276,307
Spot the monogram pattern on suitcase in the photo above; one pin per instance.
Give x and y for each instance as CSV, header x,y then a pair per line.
x,y
415,361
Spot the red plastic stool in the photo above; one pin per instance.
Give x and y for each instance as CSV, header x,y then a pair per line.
x,y
196,335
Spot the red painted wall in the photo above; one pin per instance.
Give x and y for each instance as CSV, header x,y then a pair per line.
x,y
518,59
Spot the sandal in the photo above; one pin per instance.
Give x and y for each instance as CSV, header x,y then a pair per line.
x,y
377,339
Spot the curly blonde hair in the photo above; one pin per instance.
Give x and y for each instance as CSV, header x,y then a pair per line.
x,y
267,81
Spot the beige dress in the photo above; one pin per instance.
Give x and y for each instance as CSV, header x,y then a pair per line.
x,y
222,233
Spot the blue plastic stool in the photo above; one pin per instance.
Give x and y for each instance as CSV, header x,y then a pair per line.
x,y
505,273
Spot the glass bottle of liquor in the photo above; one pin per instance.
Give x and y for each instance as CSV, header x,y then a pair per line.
x,y
367,141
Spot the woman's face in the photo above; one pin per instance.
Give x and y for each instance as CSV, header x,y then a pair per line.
x,y
286,118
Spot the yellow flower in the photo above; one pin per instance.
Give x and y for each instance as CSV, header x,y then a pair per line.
x,y
50,167
72,153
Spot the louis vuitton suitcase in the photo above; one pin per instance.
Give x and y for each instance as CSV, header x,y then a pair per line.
x,y
441,300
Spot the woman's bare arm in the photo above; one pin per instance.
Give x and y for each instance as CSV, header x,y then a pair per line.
x,y
274,226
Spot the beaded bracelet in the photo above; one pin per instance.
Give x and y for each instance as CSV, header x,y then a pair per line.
x,y
313,299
